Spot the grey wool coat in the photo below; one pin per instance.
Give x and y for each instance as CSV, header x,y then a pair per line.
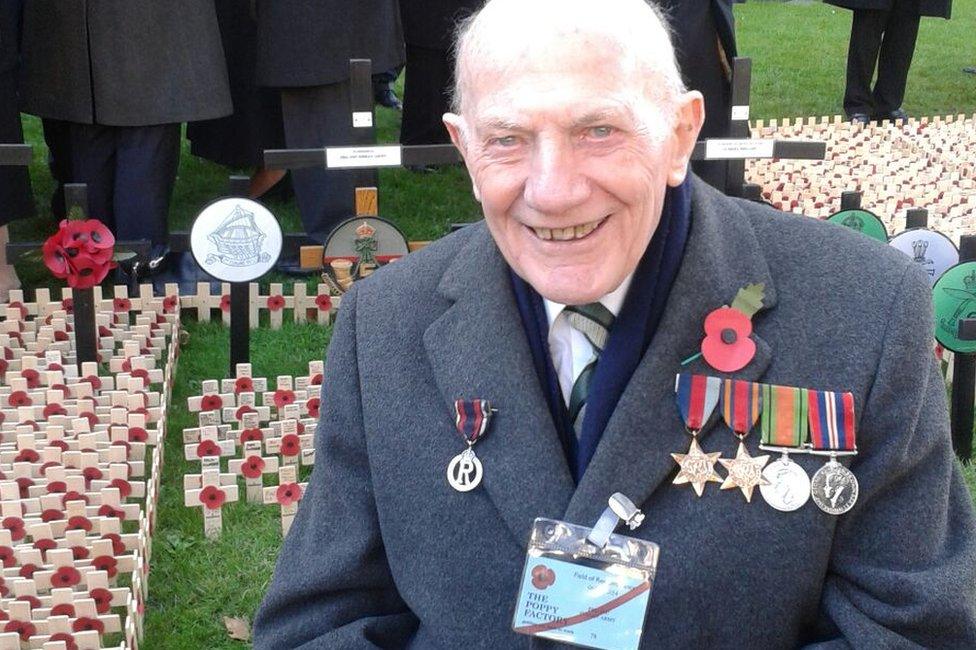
x,y
384,553
124,62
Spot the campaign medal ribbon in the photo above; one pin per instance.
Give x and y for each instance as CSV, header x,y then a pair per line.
x,y
741,406
784,428
471,418
831,415
696,396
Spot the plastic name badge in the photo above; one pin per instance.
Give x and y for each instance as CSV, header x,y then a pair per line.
x,y
574,591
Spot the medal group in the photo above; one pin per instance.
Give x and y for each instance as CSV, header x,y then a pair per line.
x,y
791,421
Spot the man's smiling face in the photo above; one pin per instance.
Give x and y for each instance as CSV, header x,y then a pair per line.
x,y
570,160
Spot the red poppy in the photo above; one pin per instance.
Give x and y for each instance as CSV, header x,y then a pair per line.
x,y
275,303
79,552
125,488
225,302
79,523
23,628
91,417
283,397
118,547
122,443
52,514
138,434
312,406
30,599
121,304
299,427
252,467
7,557
54,409
102,598
8,354
323,302
27,456
243,385
208,448
211,402
106,563
248,435
64,609
239,413
3,366
60,335
65,576
27,570
4,592
57,487
65,392
73,496
18,336
55,366
290,445
24,484
30,423
288,493
20,306
84,624
45,545
170,303
105,510
88,270
91,474
542,576
142,373
212,497
19,398
68,304
727,346
16,527
104,332
67,639
316,379
95,382
32,376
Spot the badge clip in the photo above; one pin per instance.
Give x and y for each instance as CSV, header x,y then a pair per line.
x,y
619,508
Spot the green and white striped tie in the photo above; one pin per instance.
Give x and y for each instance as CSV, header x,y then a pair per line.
x,y
593,321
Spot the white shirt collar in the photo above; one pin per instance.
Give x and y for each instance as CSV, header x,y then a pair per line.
x,y
612,301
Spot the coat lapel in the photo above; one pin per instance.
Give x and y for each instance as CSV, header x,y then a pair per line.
x,y
634,454
478,350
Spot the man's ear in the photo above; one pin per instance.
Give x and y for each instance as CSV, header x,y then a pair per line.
x,y
690,115
456,129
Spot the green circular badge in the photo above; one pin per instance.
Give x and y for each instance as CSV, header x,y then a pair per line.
x,y
954,297
861,221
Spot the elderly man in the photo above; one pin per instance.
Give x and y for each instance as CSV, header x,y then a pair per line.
x,y
577,133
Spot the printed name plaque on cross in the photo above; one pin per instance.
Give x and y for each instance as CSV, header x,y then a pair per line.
x,y
930,249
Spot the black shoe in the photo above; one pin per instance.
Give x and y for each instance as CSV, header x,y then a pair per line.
x,y
970,69
898,114
860,118
384,96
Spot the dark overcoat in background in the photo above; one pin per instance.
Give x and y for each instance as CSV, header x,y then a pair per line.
x,y
310,42
936,8
166,67
15,193
431,23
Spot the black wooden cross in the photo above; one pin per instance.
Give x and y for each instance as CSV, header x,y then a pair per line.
x,y
240,326
964,373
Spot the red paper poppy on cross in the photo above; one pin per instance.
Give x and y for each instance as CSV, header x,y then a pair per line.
x,y
4,591
288,493
225,302
249,435
142,373
211,402
68,304
323,302
45,545
125,488
252,467
19,398
57,487
16,527
84,624
19,306
27,456
32,600
79,552
105,510
102,598
64,637
52,514
170,303
243,385
239,413
121,304
7,557
3,366
727,346
65,576
316,379
276,303
24,629
95,382
208,448
283,397
24,484
91,474
27,570
74,496
212,497
312,406
291,445
106,563
138,434
118,546
54,409
32,376
79,522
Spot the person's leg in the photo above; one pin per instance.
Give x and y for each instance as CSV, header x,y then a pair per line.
x,y
93,162
897,49
319,116
867,26
57,137
146,163
425,96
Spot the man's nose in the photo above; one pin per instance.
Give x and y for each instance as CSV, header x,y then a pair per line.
x,y
555,183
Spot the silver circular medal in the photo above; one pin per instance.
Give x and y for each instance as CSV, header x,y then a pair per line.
x,y
464,471
789,485
834,488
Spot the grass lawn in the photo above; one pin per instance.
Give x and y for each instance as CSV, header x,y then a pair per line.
x,y
798,53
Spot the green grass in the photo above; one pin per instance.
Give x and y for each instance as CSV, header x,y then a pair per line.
x,y
798,54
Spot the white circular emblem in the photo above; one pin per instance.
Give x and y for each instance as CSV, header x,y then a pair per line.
x,y
236,240
464,471
789,485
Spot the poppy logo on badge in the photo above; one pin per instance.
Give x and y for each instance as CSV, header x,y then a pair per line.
x,y
543,577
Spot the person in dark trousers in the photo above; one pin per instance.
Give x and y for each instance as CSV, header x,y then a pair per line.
x,y
15,191
304,47
883,34
239,140
125,75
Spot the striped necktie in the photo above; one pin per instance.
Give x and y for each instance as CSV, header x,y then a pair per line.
x,y
593,321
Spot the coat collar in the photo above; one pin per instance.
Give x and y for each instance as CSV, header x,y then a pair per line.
x,y
478,349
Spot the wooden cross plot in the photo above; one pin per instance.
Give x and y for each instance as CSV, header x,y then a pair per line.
x,y
253,466
209,491
286,494
208,448
294,448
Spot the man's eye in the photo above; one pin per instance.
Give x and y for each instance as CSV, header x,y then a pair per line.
x,y
601,131
505,141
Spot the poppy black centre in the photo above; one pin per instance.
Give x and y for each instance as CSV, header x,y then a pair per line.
x,y
729,336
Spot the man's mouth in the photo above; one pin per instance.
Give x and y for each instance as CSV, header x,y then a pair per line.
x,y
570,233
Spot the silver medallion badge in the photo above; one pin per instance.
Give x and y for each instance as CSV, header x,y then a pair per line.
x,y
789,485
464,471
834,488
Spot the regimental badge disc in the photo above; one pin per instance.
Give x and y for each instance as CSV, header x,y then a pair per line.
x,y
834,488
862,221
789,485
464,471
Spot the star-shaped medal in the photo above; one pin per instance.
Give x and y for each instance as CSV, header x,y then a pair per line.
x,y
745,472
697,467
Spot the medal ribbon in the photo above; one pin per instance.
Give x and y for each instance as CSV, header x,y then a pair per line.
x,y
741,404
831,420
784,417
697,396
471,418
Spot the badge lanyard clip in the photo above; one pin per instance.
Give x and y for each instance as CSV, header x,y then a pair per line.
x,y
619,508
